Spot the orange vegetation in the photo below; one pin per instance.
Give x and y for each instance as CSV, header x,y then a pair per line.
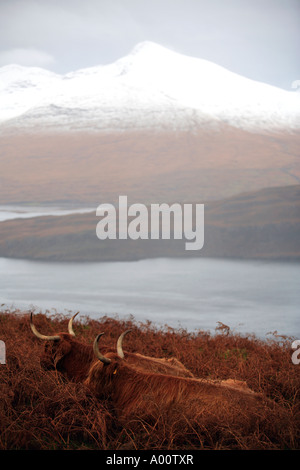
x,y
42,409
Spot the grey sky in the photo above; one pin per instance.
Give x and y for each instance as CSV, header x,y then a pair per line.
x,y
259,39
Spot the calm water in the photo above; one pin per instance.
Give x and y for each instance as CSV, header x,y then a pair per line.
x,y
250,297
23,212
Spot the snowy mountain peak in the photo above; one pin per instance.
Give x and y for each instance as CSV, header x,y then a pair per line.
x,y
150,87
150,58
151,50
146,57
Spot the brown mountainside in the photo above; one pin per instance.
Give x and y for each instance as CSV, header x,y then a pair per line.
x,y
147,166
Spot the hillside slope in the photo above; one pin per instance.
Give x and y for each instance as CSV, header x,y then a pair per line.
x,y
263,224
147,167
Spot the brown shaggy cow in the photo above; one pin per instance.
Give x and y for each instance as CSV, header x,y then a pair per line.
x,y
73,358
137,393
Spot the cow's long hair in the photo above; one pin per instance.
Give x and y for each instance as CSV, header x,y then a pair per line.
x,y
134,392
170,366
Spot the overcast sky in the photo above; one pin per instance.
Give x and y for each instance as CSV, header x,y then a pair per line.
x,y
259,39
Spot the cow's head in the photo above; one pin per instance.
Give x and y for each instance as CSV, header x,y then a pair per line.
x,y
102,372
64,353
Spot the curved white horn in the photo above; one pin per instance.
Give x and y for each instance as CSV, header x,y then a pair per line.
x,y
70,325
39,335
98,354
120,343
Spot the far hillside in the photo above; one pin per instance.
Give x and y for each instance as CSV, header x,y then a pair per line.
x,y
257,225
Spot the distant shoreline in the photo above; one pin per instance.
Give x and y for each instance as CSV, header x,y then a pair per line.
x,y
261,225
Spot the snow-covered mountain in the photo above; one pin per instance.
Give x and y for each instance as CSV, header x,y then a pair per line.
x,y
152,87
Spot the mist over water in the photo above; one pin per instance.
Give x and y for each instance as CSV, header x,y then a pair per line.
x,y
249,296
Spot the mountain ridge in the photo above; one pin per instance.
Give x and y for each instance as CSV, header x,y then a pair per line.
x,y
150,87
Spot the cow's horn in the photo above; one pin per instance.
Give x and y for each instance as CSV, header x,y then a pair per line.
x,y
39,335
98,354
119,344
70,325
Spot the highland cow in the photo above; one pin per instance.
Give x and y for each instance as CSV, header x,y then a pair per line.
x,y
140,394
73,359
